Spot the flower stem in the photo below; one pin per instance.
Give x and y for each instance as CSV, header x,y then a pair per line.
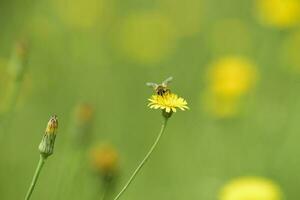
x,y
35,176
136,171
105,189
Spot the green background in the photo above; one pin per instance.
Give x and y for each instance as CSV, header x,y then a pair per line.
x,y
199,153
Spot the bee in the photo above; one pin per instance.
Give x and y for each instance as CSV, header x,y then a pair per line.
x,y
161,89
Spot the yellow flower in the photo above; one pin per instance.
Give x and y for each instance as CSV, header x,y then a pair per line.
x,y
168,102
279,13
252,188
231,76
229,79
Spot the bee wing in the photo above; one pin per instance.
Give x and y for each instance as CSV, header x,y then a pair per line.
x,y
167,81
154,85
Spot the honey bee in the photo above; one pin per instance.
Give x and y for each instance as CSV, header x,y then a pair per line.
x,y
162,88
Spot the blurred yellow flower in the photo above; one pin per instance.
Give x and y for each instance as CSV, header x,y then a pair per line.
x,y
251,188
146,37
168,102
105,159
84,113
231,76
229,79
279,13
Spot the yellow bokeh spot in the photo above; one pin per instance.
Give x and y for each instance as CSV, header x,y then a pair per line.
x,y
251,188
84,113
186,15
80,14
231,76
104,159
146,37
279,13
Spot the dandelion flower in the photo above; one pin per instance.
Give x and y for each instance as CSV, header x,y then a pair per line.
x,y
254,188
279,13
232,76
167,102
229,79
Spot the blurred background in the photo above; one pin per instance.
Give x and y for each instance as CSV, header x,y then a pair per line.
x,y
236,63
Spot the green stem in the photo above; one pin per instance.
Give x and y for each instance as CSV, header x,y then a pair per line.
x,y
105,189
144,160
35,177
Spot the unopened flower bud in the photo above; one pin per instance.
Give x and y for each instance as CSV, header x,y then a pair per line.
x,y
82,124
47,144
105,160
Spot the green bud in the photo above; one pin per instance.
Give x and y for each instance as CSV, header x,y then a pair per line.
x,y
47,144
